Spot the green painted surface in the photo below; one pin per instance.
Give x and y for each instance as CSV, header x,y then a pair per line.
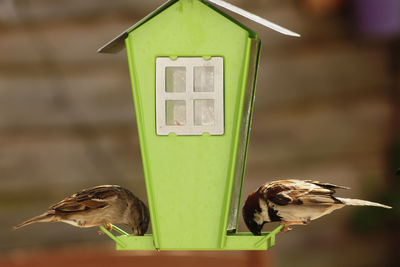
x,y
238,241
189,179
245,241
131,242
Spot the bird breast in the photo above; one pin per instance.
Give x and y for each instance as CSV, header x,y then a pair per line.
x,y
263,216
300,212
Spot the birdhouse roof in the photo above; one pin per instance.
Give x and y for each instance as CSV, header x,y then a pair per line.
x,y
117,44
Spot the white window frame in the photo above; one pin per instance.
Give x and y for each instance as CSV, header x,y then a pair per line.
x,y
189,96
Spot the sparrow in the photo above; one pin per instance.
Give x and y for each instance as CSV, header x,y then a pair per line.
x,y
294,202
100,205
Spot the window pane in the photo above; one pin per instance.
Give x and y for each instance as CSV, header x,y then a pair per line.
x,y
175,112
189,96
204,112
204,79
175,79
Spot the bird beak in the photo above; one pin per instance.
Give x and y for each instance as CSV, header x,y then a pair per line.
x,y
136,231
254,227
256,231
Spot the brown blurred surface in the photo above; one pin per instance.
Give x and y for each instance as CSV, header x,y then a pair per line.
x,y
326,108
107,257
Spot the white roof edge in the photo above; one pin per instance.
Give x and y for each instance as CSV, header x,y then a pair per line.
x,y
117,44
253,17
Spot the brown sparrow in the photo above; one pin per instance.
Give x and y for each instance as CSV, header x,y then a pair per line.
x,y
101,205
294,202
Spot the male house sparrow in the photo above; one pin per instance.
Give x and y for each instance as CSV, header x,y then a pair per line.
x,y
101,205
294,202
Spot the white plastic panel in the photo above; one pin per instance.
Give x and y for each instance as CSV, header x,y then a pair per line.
x,y
175,79
204,79
175,112
204,112
190,96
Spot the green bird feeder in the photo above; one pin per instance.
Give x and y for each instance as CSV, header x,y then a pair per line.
x,y
193,71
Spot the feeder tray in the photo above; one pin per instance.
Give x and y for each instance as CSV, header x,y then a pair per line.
x,y
237,241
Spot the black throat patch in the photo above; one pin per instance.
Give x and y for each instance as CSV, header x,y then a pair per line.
x,y
273,215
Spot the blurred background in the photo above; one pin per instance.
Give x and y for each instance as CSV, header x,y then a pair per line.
x,y
327,107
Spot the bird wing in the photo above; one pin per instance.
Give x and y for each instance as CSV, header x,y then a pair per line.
x,y
327,185
87,199
298,192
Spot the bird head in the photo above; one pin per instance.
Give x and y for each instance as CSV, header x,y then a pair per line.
x,y
252,213
141,223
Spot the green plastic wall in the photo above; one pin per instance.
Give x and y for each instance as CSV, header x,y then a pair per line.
x,y
189,178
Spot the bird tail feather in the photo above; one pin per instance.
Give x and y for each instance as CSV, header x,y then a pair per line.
x,y
45,217
359,202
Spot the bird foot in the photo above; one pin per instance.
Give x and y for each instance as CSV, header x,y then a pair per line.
x,y
108,226
287,228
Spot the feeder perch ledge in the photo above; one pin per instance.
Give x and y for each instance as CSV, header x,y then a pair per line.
x,y
238,241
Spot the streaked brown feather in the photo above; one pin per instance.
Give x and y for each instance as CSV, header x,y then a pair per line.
x,y
294,202
98,205
87,199
327,185
318,200
297,192
86,205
